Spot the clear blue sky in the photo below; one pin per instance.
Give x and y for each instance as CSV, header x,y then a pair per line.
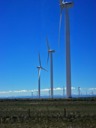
x,y
24,25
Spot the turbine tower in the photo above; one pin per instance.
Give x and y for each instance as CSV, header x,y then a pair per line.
x,y
39,70
50,53
66,5
49,92
32,94
63,91
79,91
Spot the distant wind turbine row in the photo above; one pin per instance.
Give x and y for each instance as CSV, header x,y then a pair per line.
x,y
66,6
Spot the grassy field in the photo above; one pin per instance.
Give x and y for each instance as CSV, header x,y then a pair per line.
x,y
56,113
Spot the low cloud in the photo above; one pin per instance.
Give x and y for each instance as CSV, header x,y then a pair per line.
x,y
92,89
42,90
34,90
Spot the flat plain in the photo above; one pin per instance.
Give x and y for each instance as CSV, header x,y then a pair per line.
x,y
48,113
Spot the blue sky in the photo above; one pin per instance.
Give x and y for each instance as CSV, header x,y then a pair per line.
x,y
24,25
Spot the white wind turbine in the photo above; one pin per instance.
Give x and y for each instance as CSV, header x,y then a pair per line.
x,y
50,53
79,91
66,5
63,91
39,70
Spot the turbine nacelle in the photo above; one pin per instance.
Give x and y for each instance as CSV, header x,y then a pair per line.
x,y
41,68
51,50
38,67
66,4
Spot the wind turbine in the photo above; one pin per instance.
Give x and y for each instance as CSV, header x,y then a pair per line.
x,y
79,91
32,94
50,53
66,5
39,70
63,91
49,92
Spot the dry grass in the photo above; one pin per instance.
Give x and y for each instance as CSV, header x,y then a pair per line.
x,y
48,113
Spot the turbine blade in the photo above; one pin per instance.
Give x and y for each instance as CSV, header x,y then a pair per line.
x,y
48,47
39,59
43,69
48,58
60,26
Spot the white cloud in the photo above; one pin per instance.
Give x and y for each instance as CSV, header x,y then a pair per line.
x,y
92,89
42,90
73,88
34,90
57,89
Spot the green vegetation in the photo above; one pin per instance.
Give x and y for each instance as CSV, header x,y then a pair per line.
x,y
56,113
